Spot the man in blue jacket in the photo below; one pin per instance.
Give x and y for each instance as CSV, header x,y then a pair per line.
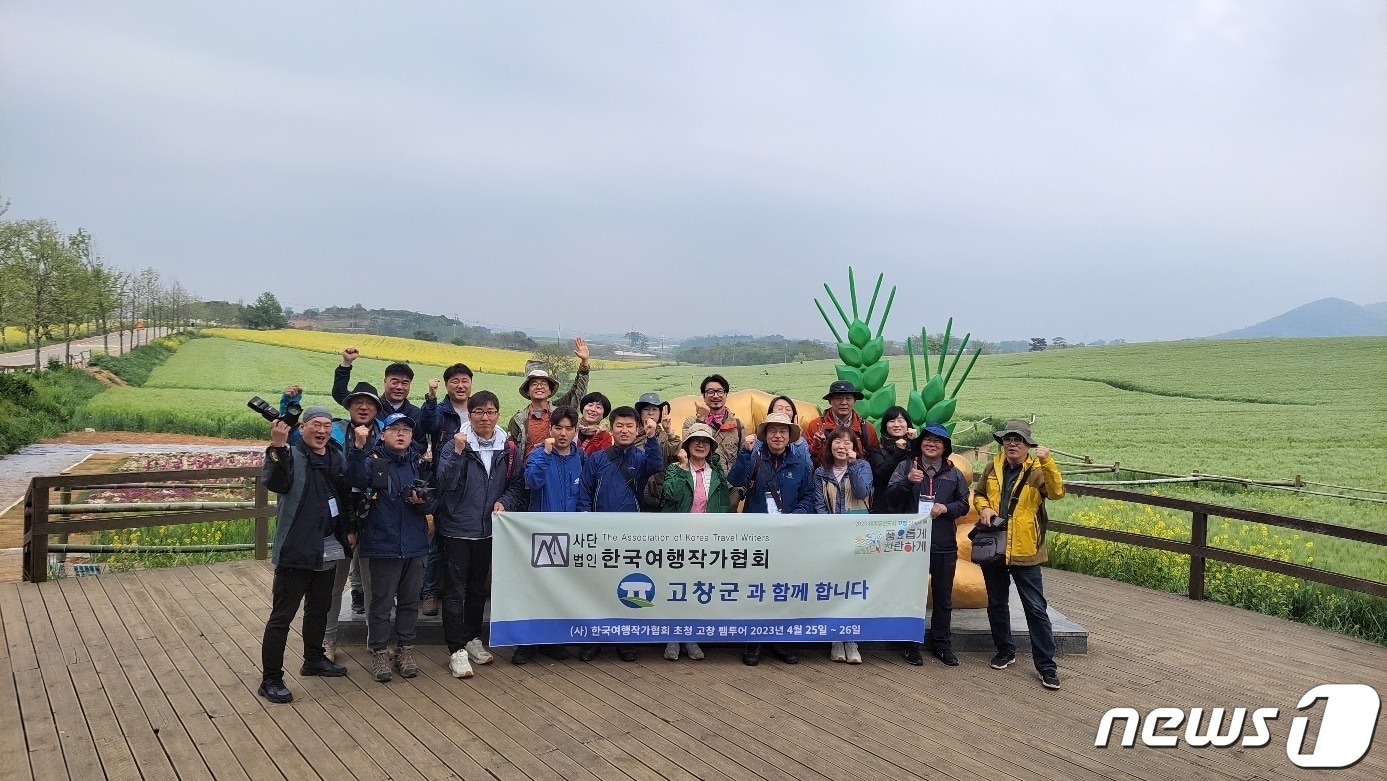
x,y
313,532
778,481
612,481
477,476
394,540
554,474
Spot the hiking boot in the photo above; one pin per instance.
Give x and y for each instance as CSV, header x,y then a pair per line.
x,y
672,651
380,665
556,652
787,653
477,652
589,652
523,654
1050,679
627,653
1002,660
358,602
836,653
404,661
330,651
428,605
854,655
458,664
275,691
695,653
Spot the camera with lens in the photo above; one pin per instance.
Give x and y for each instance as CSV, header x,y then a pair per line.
x,y
291,411
420,488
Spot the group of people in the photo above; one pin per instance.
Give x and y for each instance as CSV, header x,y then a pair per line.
x,y
398,501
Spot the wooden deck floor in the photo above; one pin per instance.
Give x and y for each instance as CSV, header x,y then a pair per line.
x,y
153,675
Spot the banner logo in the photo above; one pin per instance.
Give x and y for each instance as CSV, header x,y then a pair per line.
x,y
548,550
636,590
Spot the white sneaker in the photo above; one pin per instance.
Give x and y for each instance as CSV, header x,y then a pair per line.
x,y
854,656
672,651
835,653
459,666
477,652
695,653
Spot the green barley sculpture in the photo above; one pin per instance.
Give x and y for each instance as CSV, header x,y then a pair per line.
x,y
932,403
861,353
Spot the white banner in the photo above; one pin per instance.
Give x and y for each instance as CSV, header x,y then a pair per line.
x,y
673,577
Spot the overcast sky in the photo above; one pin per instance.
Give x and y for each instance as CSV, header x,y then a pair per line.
x,y
1094,170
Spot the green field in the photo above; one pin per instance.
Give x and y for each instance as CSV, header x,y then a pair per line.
x,y
1265,409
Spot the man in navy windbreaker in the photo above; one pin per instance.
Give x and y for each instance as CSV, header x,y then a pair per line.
x,y
394,543
612,479
477,476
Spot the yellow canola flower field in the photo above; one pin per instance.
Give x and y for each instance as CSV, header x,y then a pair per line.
x,y
489,360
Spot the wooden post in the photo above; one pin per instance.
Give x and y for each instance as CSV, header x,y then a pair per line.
x,y
262,520
36,533
1199,538
1195,474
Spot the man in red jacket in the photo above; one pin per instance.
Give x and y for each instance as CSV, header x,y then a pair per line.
x,y
840,397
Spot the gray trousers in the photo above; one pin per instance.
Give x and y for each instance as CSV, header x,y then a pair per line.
x,y
335,611
394,583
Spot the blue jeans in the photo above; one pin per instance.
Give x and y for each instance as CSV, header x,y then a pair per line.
x,y
432,579
1032,594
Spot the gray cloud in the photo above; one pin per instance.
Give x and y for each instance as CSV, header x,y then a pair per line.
x,y
1147,171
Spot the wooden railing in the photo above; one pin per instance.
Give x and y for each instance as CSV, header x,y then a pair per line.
x,y
42,518
1198,548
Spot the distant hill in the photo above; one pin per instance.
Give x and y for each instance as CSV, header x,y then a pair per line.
x,y
1325,317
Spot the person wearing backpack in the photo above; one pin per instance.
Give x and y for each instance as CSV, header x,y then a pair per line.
x,y
1012,488
479,475
777,480
929,477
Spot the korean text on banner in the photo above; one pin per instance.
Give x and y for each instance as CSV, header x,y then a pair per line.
x,y
663,578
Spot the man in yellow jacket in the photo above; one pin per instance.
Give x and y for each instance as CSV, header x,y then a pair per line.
x,y
1013,488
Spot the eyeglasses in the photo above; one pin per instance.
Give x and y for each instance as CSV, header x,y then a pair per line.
x,y
1013,441
715,392
319,426
485,413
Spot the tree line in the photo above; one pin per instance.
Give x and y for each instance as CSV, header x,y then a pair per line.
x,y
56,288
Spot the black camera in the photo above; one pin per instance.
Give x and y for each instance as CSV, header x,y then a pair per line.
x,y
291,411
420,488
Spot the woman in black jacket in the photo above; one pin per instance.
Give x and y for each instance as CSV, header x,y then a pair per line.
x,y
928,476
896,446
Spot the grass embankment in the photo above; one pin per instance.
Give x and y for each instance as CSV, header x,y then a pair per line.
x,y
41,404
